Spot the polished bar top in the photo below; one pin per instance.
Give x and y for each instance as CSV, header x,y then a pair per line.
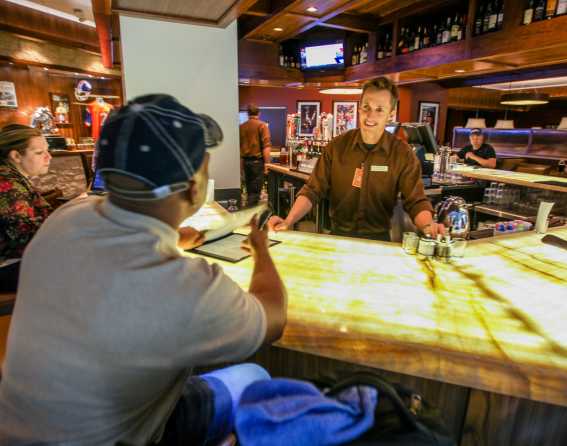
x,y
494,320
517,178
287,171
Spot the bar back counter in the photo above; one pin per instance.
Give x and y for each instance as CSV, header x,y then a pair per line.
x,y
482,337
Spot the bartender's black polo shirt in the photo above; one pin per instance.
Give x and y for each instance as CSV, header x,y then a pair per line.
x,y
485,151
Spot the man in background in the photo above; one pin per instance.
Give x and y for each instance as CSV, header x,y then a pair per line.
x,y
255,146
478,153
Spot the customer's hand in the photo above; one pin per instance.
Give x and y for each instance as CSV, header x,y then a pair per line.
x,y
276,223
190,238
257,241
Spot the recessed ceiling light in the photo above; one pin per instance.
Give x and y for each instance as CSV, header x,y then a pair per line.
x,y
312,9
278,29
45,69
460,70
351,91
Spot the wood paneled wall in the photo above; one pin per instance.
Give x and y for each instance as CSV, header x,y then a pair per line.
x,y
33,85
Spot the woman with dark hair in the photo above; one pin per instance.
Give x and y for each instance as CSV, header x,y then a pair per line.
x,y
23,154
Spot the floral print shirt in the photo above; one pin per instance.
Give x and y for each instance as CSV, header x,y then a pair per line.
x,y
22,211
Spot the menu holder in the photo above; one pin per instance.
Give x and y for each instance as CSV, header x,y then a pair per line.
x,y
227,248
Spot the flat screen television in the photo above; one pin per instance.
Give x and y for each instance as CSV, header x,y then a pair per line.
x,y
322,56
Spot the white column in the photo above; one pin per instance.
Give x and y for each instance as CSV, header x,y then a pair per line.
x,y
196,64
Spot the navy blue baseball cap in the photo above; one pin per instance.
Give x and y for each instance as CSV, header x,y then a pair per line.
x,y
158,141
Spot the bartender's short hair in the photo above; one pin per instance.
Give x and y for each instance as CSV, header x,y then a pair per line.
x,y
253,110
382,83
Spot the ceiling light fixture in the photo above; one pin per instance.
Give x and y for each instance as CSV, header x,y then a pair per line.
x,y
459,70
278,29
349,91
529,98
312,9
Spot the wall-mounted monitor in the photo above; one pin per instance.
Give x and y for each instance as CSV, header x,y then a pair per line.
x,y
322,56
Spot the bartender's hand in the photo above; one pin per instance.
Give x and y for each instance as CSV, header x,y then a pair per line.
x,y
432,229
276,223
190,238
257,241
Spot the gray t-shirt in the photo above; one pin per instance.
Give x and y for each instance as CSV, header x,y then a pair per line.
x,y
109,319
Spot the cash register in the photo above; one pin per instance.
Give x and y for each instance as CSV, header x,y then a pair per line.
x,y
420,138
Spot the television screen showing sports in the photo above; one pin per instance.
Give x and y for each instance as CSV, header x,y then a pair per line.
x,y
322,55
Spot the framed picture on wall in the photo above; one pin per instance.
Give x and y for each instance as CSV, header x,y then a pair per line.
x,y
429,114
308,112
8,95
60,107
345,113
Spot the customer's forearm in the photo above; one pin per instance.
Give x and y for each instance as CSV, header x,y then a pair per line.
x,y
269,289
301,207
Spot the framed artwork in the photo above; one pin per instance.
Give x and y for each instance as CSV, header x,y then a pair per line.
x,y
60,107
8,95
346,114
429,114
308,112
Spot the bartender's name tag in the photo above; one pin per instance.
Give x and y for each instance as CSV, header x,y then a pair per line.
x,y
357,179
375,168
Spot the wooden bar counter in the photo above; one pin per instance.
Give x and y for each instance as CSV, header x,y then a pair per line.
x,y
484,337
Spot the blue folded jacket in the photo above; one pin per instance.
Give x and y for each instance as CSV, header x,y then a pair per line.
x,y
295,413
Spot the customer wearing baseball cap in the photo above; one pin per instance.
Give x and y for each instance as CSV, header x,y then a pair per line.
x,y
111,317
478,153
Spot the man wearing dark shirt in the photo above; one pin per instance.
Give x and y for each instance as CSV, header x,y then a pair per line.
x,y
255,145
362,171
477,153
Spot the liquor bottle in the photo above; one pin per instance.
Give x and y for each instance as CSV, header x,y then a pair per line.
x,y
388,45
539,10
380,50
561,7
426,38
282,61
417,45
529,13
493,17
479,19
455,29
486,17
446,36
364,54
500,20
402,42
462,24
550,8
355,56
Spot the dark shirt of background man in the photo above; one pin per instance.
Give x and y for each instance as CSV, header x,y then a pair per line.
x,y
485,151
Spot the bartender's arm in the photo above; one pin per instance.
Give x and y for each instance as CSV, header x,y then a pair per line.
x,y
490,163
416,204
310,194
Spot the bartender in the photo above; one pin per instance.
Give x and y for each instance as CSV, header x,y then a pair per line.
x,y
478,153
362,171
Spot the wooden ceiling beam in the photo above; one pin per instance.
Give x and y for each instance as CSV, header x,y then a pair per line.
x,y
353,4
236,10
102,10
278,8
351,22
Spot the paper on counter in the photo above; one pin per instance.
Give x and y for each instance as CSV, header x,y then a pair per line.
x,y
234,220
217,222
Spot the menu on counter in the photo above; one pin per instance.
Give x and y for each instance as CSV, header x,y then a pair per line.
x,y
227,248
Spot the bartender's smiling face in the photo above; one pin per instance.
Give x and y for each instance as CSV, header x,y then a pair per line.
x,y
375,112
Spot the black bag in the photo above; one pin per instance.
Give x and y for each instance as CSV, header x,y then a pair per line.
x,y
402,417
